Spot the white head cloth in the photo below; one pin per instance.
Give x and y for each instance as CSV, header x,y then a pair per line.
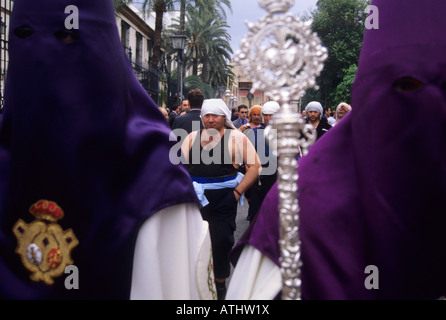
x,y
345,105
271,107
219,108
314,106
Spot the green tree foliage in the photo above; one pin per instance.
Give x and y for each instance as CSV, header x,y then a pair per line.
x,y
340,26
195,82
343,90
118,3
162,6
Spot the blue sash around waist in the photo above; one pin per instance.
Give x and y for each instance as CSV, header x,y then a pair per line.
x,y
201,184
213,179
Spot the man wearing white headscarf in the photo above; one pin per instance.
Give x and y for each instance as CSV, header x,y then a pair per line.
x,y
217,107
314,111
268,110
212,157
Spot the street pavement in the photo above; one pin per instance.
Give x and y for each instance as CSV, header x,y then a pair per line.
x,y
241,222
241,225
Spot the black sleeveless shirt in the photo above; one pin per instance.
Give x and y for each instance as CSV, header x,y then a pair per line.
x,y
216,162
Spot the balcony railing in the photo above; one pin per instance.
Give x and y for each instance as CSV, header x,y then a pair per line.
x,y
148,77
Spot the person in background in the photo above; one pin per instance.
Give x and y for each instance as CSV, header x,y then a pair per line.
x,y
268,176
242,116
164,112
329,116
269,109
341,110
185,105
192,120
314,112
254,119
176,110
234,114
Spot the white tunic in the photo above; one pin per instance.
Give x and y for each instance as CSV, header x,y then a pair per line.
x,y
255,277
173,258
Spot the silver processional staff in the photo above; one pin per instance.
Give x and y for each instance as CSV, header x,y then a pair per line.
x,y
283,57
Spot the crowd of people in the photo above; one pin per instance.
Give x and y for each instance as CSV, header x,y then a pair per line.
x,y
232,159
86,177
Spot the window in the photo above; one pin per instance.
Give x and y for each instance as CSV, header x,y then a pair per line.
x,y
138,59
125,34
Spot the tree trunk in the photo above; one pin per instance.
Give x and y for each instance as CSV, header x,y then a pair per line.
x,y
195,67
182,16
204,72
159,11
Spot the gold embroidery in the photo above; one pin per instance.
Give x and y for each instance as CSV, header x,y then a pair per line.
x,y
211,281
44,247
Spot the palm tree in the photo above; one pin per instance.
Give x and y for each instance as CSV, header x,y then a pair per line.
x,y
195,82
207,44
161,6
215,6
118,3
216,57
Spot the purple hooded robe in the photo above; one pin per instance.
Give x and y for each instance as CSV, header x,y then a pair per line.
x,y
372,190
78,129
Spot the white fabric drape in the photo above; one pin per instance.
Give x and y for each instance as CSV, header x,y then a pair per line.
x,y
173,257
255,277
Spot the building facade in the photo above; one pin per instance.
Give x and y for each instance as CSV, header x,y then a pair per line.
x,y
137,40
137,34
5,13
241,90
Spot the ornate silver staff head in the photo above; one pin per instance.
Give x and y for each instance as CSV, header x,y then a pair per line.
x,y
283,57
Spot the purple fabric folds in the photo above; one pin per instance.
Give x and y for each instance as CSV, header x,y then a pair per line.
x,y
372,189
79,129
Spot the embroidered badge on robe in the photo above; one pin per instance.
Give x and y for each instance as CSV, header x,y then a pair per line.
x,y
44,247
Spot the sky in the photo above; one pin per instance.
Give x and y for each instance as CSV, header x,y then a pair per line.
x,y
251,11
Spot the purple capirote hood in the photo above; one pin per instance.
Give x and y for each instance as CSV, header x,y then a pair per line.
x,y
372,190
79,129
